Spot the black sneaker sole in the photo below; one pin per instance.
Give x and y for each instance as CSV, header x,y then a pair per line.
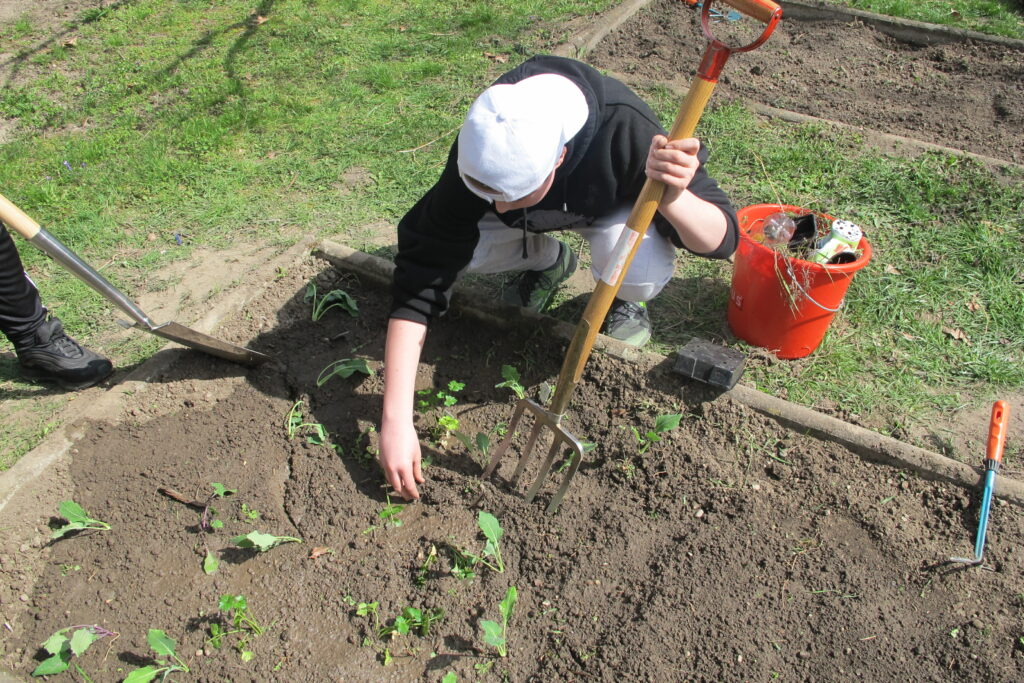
x,y
44,377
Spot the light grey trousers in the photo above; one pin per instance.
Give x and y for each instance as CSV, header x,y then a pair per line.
x,y
500,250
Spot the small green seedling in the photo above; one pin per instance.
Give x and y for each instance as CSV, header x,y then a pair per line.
x,y
421,573
294,423
662,424
431,399
564,465
249,513
68,642
446,424
262,542
210,563
464,561
496,635
411,619
481,443
77,519
511,376
163,645
366,608
208,521
343,368
364,449
336,298
450,677
239,622
221,491
389,513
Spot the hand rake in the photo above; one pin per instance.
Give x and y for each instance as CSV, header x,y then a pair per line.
x,y
607,287
998,424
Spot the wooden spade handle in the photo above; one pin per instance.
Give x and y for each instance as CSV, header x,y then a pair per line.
x,y
17,220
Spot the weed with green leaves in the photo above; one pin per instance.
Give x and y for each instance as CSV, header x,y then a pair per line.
x,y
463,561
261,542
412,619
446,425
163,645
346,367
239,622
389,513
429,398
336,298
495,634
295,423
420,578
662,424
511,375
208,519
62,647
77,520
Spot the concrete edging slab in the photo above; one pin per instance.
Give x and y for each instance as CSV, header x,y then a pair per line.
x,y
864,442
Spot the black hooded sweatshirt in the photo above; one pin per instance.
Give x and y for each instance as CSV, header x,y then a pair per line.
x,y
603,169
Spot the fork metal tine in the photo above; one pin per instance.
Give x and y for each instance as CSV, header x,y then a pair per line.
x,y
544,469
503,446
527,451
561,438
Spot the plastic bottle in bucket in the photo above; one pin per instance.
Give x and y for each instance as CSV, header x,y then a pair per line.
x,y
778,229
782,303
843,239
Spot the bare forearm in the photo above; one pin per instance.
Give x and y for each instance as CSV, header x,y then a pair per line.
x,y
401,360
399,445
700,224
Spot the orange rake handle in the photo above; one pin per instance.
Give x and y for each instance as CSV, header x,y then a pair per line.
x,y
997,433
690,111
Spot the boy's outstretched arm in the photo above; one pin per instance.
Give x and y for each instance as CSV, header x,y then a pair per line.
x,y
399,444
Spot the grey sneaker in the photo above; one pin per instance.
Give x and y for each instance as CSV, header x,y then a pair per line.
x,y
51,356
628,322
534,289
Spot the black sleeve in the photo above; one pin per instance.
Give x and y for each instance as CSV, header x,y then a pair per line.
x,y
436,239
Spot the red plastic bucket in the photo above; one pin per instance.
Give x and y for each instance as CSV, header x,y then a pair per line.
x,y
781,303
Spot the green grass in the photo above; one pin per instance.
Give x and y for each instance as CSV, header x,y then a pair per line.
x,y
995,17
236,121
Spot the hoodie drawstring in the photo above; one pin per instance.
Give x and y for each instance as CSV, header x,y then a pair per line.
x,y
525,252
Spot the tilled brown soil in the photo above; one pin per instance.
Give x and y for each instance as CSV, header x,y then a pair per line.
x,y
962,94
730,550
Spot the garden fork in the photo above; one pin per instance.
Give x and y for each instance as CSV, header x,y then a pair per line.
x,y
640,218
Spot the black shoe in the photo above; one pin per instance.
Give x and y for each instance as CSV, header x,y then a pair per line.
x,y
628,322
54,357
534,289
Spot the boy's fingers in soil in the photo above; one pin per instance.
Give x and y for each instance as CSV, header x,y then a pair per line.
x,y
404,486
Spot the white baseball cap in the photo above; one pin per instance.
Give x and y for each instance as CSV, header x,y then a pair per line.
x,y
514,133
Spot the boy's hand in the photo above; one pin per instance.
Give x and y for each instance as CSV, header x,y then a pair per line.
x,y
673,163
400,458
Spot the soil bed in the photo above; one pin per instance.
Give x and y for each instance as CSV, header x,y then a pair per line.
x,y
730,550
964,94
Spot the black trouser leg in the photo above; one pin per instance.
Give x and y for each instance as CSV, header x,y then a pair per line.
x,y
21,310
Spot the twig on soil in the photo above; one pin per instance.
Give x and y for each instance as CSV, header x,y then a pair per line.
x,y
171,493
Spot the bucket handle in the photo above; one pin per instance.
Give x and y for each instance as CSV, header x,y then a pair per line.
x,y
792,278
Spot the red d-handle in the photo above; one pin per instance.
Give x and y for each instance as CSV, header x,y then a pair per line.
x,y
763,10
997,431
